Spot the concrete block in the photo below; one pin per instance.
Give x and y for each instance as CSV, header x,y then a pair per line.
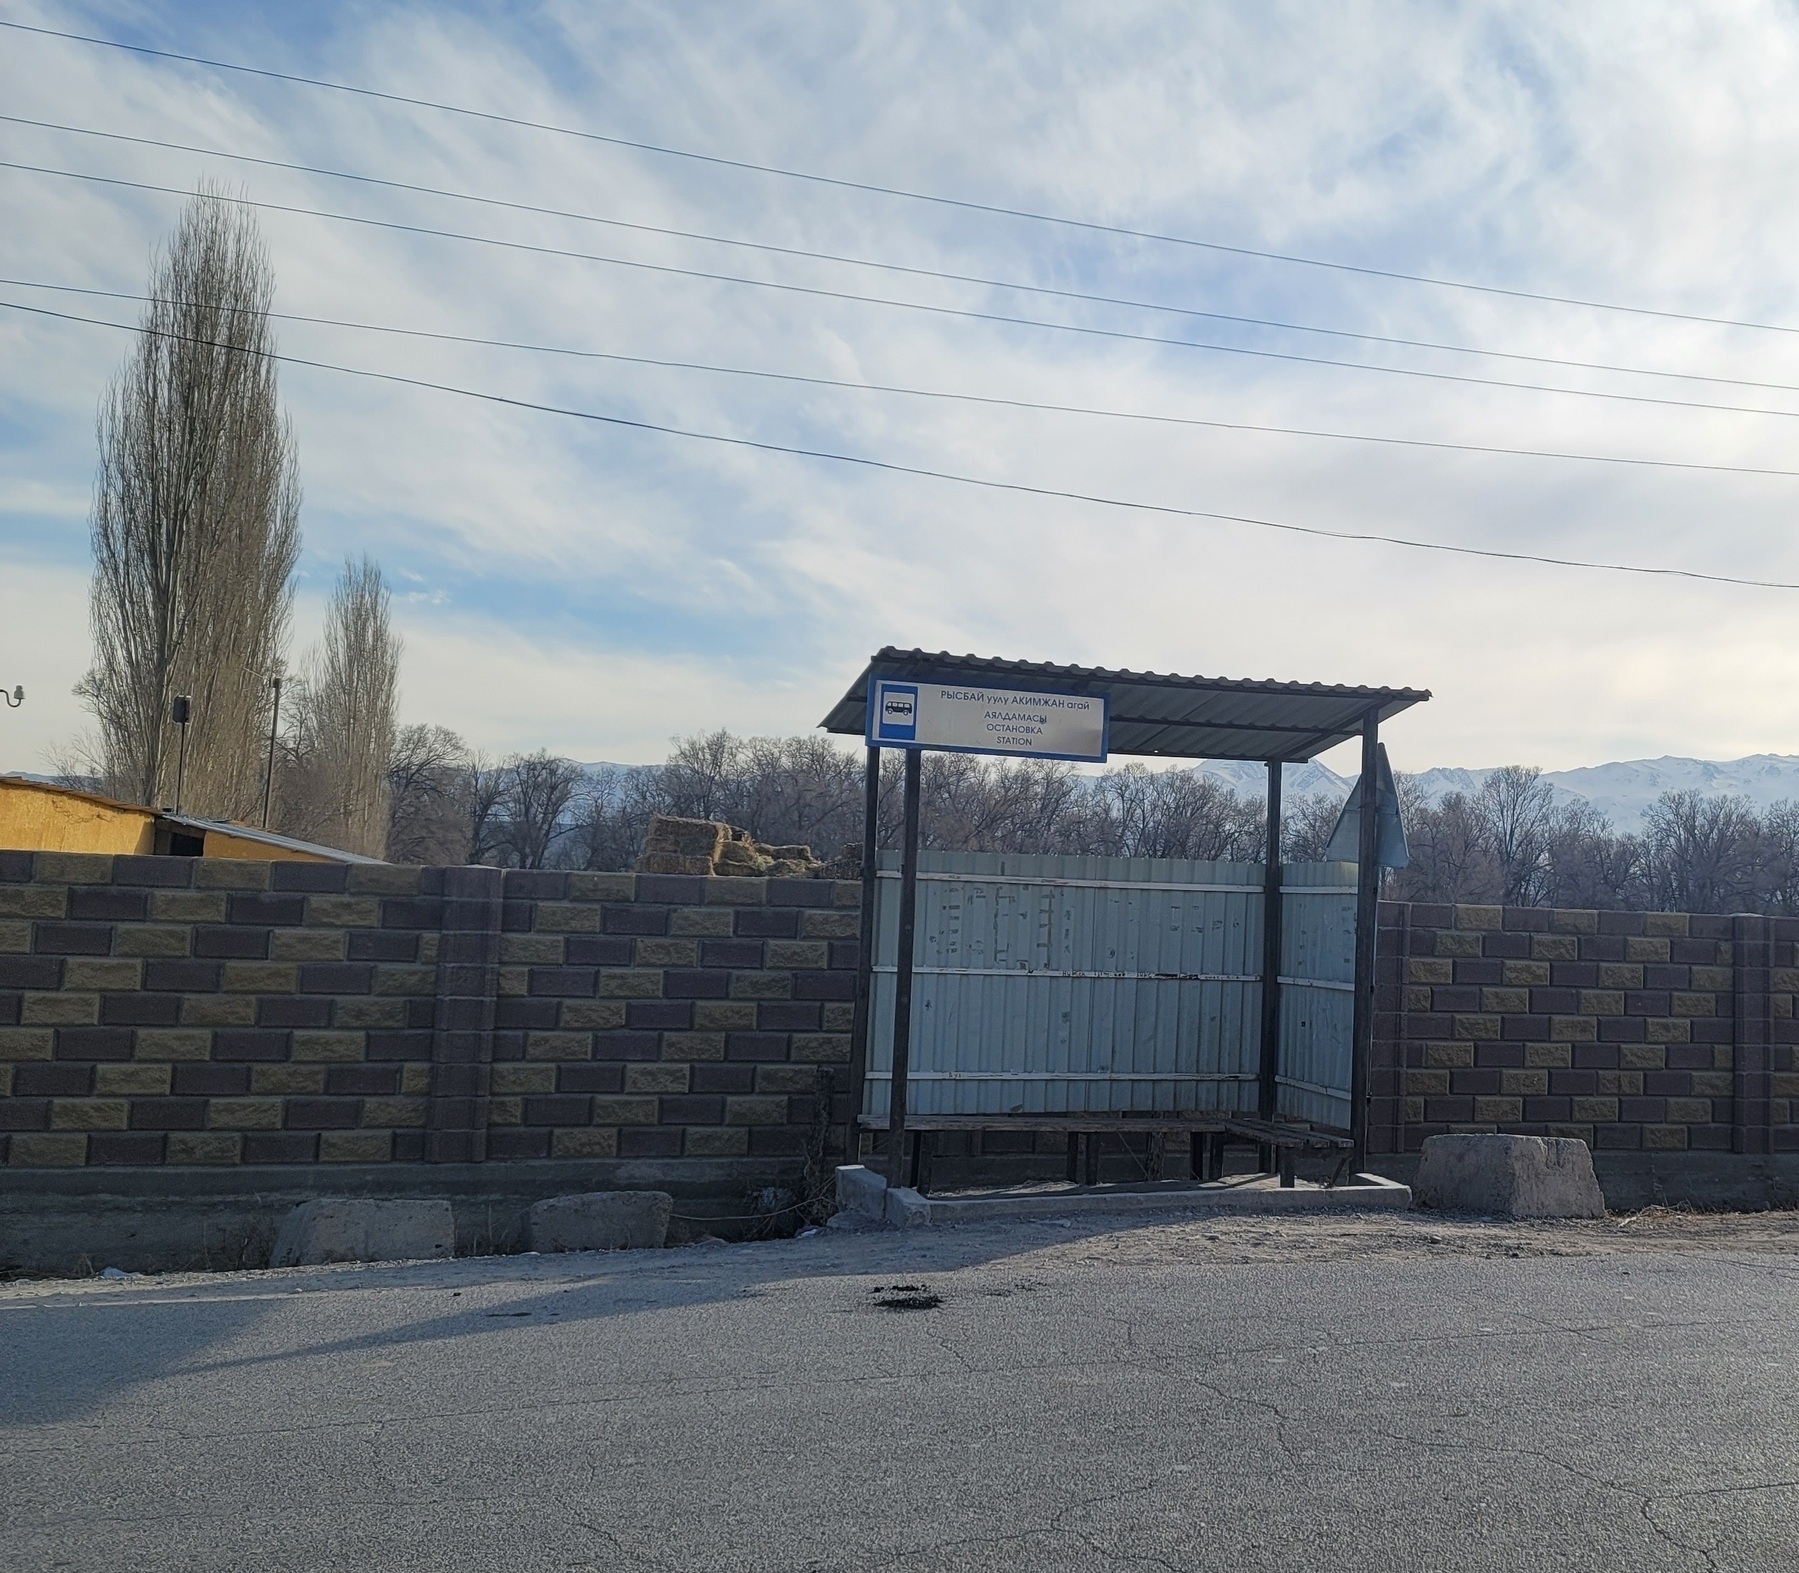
x,y
356,1229
906,1209
601,1221
861,1191
1516,1176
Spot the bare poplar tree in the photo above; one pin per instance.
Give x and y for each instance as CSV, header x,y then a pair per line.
x,y
195,524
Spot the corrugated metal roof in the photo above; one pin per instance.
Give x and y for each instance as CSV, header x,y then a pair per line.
x,y
226,827
1159,714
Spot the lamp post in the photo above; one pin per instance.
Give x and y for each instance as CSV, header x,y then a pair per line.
x,y
15,698
178,713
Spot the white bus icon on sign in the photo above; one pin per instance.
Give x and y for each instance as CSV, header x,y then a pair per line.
x,y
897,713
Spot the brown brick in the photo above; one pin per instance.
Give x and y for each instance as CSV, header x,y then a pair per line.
x,y
218,1010
230,874
34,1150
260,977
132,1080
109,975
59,1010
625,1111
186,1045
650,1076
355,1146
33,901
252,1114
89,1114
27,1043
165,939
524,1078
187,906
15,939
587,1142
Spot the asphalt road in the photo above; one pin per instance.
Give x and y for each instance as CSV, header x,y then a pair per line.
x,y
1400,1394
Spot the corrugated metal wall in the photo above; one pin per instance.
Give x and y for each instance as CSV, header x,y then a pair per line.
x,y
1317,991
1073,985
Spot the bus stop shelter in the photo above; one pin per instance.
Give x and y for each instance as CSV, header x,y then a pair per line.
x,y
1112,996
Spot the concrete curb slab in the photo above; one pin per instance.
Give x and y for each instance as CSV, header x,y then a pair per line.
x,y
359,1229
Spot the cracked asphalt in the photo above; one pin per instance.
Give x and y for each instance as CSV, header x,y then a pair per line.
x,y
1408,1392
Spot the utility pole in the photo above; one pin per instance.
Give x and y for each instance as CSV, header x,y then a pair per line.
x,y
178,713
268,781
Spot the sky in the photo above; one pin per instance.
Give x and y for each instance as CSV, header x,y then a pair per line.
x,y
600,589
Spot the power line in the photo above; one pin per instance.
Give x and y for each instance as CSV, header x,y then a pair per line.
x,y
887,466
928,393
962,313
909,270
964,204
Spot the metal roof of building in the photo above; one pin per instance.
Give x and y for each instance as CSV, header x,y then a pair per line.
x,y
268,838
1157,714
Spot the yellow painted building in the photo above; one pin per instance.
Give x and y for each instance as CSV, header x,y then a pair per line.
x,y
38,816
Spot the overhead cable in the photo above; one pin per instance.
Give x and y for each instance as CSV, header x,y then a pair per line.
x,y
909,270
862,461
840,183
923,393
962,313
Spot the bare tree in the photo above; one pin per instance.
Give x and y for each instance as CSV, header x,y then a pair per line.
x,y
429,789
195,523
535,794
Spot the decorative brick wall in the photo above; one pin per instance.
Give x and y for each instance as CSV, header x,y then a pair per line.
x,y
1634,1031
187,1011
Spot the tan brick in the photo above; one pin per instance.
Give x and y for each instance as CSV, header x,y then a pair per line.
x,y
383,879
1499,1111
1564,921
1694,1005
558,1046
587,1142
1525,974
230,874
755,1111
349,912
506,1111
210,1147
1674,925
251,1114
370,1011
1643,1056
59,1010
133,1079
294,1080
415,1080
1724,1057
1449,1056
1664,1138
33,901
1618,1084
1554,947
1427,1084
152,939
1575,1133
821,1048
35,1151
260,977
1414,1111
187,1045
731,891
428,944
846,893
394,1113
651,952
1713,1084
800,954
6,1079
15,939
404,980
356,1146
1620,975
1786,1084
1720,979
1477,1027
27,1043
603,887
1661,1029
593,1015
1574,1029
1551,1056
716,1141
1419,998
337,1048
651,1076
514,1077
624,983
712,922
1430,969
308,945
1598,1111
818,924
1449,943
74,868
89,1114
567,917
91,972
187,906
1689,1111
1784,980
532,950
1640,948
839,1016
1523,1083
626,1111
761,985
1516,1001
1601,1002
801,1080
724,1016
1486,919
692,1046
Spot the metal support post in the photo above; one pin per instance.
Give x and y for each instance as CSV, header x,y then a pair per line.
x,y
902,991
865,957
1271,951
1367,907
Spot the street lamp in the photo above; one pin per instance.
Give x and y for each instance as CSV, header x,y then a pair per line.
x,y
15,698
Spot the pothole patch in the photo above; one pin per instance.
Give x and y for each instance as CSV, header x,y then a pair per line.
x,y
905,1297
